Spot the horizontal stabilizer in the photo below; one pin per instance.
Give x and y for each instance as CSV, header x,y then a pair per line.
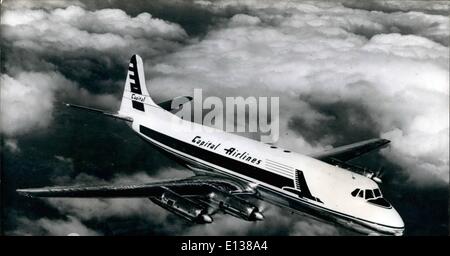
x,y
99,111
175,104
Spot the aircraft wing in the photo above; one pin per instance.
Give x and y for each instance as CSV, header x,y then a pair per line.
x,y
196,185
109,191
195,198
351,151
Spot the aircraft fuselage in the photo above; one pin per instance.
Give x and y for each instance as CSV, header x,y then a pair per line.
x,y
288,179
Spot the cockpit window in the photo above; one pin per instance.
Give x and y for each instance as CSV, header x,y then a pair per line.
x,y
355,192
380,202
372,196
377,192
361,193
369,194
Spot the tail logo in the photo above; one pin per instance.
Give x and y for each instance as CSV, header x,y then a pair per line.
x,y
139,98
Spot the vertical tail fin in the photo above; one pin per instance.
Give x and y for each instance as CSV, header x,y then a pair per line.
x,y
136,98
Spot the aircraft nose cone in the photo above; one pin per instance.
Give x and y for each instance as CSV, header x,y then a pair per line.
x,y
257,216
396,221
206,218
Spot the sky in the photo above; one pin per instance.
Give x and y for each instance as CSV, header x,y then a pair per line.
x,y
344,71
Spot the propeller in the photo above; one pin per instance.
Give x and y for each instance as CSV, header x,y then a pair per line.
x,y
263,207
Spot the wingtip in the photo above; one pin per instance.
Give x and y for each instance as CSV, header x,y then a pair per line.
x,y
24,192
385,141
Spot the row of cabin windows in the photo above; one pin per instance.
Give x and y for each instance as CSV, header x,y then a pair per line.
x,y
366,193
286,151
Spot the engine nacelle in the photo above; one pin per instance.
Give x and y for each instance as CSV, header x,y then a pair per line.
x,y
235,206
183,207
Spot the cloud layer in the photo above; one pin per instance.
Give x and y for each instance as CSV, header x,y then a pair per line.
x,y
343,72
48,227
59,51
71,29
28,99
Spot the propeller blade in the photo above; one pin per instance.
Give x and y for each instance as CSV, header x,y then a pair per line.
x,y
263,207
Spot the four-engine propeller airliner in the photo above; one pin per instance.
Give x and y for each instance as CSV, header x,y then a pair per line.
x,y
231,171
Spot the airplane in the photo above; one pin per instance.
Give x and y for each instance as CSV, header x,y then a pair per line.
x,y
229,171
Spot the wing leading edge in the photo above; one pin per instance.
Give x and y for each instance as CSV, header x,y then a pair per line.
x,y
196,185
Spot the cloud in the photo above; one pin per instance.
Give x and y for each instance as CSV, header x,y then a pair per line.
x,y
319,56
55,53
431,7
49,227
42,4
71,29
425,18
12,145
244,20
27,100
